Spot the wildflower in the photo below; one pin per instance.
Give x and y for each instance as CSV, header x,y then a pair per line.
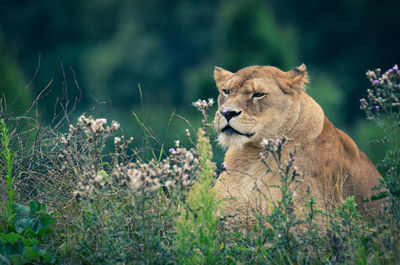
x,y
376,107
187,133
64,141
189,156
362,100
172,150
169,183
375,82
77,195
114,125
224,166
396,68
99,180
117,140
82,119
101,122
203,105
198,104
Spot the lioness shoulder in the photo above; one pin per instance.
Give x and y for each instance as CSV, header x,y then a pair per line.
x,y
263,102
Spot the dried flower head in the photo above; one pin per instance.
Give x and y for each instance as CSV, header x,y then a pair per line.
x,y
385,93
177,170
274,145
203,105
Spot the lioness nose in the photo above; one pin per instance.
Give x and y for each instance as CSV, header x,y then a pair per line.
x,y
229,114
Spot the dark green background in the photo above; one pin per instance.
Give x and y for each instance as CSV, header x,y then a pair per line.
x,y
171,47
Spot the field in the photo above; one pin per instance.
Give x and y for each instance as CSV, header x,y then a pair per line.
x,y
78,192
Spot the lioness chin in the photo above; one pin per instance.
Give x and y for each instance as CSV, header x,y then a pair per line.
x,y
263,102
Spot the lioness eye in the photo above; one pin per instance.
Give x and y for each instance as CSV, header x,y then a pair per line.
x,y
226,91
258,95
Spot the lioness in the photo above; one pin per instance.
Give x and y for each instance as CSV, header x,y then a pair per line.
x,y
263,102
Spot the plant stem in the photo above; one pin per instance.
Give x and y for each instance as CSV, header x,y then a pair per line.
x,y
7,157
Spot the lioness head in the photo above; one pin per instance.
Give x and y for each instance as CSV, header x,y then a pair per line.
x,y
257,102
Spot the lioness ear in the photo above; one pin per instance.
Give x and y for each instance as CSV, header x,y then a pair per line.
x,y
295,79
221,76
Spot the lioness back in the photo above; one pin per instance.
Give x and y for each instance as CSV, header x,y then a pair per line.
x,y
263,102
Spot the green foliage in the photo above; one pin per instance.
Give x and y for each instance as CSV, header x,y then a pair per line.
x,y
116,228
197,237
252,21
12,81
325,90
367,134
6,165
31,225
382,107
25,226
133,208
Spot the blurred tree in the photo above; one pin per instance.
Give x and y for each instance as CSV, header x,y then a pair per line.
x,y
326,91
345,38
249,34
12,82
152,44
246,33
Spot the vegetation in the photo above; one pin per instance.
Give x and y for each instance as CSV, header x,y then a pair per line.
x,y
88,196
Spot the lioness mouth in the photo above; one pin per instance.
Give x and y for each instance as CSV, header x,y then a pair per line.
x,y
228,129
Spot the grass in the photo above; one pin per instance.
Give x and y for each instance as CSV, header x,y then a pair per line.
x,y
84,195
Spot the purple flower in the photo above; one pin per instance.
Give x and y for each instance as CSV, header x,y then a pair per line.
x,y
390,70
171,150
224,166
375,82
224,110
376,107
395,67
362,100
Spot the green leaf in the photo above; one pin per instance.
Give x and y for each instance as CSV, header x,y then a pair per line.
x,y
11,238
17,259
32,219
30,241
3,254
48,258
30,254
378,196
8,250
42,226
37,207
22,218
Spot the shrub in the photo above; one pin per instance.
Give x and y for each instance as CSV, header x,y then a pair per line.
x,y
197,236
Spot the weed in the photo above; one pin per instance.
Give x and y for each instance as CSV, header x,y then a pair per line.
x,y
197,238
7,167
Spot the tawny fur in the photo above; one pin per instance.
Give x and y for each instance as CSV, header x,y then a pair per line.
x,y
333,166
